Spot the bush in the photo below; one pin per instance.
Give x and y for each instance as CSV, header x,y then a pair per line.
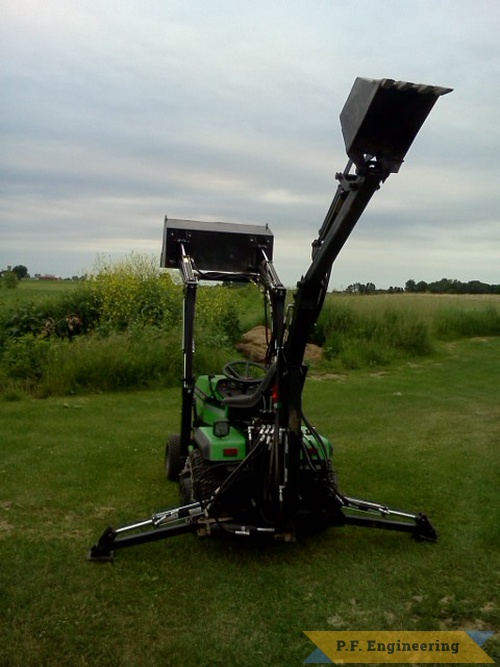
x,y
131,316
132,291
127,294
250,307
24,360
28,318
9,280
217,322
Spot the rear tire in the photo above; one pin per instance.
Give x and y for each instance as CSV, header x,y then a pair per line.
x,y
174,462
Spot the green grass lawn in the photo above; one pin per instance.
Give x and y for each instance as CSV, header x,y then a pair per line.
x,y
419,437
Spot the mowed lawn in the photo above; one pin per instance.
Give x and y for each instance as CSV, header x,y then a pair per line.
x,y
422,436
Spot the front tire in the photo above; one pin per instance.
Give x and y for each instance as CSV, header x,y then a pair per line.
x,y
174,462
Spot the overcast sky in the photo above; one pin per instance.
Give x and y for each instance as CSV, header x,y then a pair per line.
x,y
115,113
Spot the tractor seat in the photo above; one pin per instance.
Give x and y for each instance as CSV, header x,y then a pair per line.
x,y
252,399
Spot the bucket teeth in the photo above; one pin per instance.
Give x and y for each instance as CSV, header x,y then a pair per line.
x,y
422,88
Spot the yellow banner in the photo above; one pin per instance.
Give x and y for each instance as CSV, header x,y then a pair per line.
x,y
405,646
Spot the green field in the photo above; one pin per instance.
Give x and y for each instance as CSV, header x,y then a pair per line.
x,y
27,290
420,435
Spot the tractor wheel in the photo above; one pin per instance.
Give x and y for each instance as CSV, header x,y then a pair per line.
x,y
206,476
333,476
186,485
174,462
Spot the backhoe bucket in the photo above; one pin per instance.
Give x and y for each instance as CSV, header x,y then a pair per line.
x,y
381,118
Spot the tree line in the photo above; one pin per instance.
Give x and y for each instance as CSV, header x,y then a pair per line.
x,y
443,286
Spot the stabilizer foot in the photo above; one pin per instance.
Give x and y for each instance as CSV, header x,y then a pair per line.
x,y
102,551
424,530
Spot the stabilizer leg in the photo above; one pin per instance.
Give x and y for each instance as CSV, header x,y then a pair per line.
x,y
165,524
373,515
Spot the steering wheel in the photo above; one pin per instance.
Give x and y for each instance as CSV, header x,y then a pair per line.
x,y
240,371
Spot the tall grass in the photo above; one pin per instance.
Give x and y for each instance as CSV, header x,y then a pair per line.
x,y
427,306
118,361
355,340
127,360
453,323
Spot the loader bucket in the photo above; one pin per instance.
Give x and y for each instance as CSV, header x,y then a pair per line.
x,y
381,117
222,247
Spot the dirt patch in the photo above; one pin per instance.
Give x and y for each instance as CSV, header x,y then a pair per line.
x,y
6,528
253,346
103,512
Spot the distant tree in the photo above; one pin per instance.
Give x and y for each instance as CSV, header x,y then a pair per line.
x,y
20,271
361,288
410,286
421,286
9,279
443,286
370,288
477,287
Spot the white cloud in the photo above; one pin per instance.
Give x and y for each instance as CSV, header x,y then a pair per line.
x,y
116,113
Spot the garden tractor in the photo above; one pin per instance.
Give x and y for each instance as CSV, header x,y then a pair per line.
x,y
247,460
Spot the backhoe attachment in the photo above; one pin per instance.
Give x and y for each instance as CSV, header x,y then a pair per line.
x,y
247,460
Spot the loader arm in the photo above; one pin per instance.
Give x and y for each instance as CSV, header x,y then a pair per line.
x,y
379,122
